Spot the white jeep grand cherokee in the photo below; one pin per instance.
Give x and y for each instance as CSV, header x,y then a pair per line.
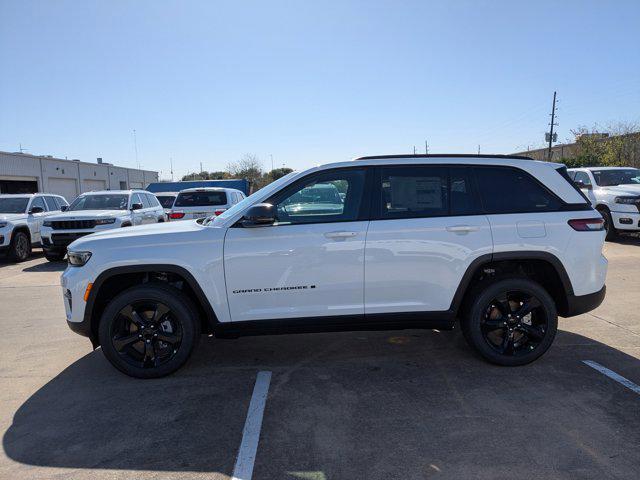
x,y
615,193
504,244
98,211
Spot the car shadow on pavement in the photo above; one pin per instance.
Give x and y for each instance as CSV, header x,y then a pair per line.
x,y
402,404
627,239
47,267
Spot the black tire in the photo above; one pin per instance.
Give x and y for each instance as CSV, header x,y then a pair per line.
x,y
54,256
20,247
129,340
612,233
501,331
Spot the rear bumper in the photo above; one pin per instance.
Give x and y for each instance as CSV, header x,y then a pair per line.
x,y
578,304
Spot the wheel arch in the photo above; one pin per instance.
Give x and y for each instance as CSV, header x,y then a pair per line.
x,y
543,267
21,228
115,280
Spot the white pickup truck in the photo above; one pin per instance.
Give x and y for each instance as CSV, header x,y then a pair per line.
x,y
21,217
614,192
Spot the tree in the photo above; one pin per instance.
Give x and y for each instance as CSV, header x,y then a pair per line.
x,y
205,176
619,146
249,167
277,173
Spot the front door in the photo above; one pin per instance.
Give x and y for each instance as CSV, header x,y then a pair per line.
x,y
310,263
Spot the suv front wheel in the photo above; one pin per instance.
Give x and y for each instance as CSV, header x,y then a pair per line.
x,y
511,321
149,331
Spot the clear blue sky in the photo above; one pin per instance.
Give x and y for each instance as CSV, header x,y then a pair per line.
x,y
307,81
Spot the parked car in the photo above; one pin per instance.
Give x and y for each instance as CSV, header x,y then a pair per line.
x,y
241,184
98,211
21,217
505,244
166,200
204,202
615,193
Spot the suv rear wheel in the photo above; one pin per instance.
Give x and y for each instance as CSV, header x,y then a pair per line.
x,y
149,331
511,321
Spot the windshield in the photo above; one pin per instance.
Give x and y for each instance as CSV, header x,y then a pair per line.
x,y
266,190
611,178
200,199
13,205
100,202
166,200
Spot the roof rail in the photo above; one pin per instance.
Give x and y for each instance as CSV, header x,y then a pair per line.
x,y
439,155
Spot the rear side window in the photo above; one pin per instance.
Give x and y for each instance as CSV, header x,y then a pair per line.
x,y
414,192
510,190
201,199
146,202
462,192
153,200
51,204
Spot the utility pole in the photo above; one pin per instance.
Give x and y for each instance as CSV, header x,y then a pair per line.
x,y
478,149
271,155
135,147
553,117
414,149
171,163
426,148
200,167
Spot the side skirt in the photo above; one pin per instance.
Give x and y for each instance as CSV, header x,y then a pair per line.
x,y
444,320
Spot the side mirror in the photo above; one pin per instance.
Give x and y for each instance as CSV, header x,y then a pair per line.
x,y
64,208
36,210
136,206
259,215
581,184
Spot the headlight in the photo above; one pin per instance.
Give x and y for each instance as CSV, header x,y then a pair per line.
x,y
628,200
78,259
105,221
47,223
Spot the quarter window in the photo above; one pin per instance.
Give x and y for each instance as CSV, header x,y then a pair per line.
x,y
328,197
510,190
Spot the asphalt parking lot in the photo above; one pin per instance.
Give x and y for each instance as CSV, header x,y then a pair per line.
x,y
366,405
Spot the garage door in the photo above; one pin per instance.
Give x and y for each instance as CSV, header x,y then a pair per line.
x,y
135,184
63,186
93,185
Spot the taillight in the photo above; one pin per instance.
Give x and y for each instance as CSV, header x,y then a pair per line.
x,y
176,215
218,212
587,224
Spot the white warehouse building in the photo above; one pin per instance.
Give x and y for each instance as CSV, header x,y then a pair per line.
x,y
24,173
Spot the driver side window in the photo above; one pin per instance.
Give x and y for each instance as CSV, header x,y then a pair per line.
x,y
582,177
327,197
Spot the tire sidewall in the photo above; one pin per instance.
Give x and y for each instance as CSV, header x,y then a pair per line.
x,y
179,305
472,323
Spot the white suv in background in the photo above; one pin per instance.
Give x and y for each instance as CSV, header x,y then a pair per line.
x,y
614,192
21,217
504,244
98,211
204,202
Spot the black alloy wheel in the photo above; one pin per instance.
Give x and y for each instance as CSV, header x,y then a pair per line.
x,y
510,322
514,323
149,331
145,334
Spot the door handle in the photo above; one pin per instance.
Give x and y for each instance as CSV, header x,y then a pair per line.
x,y
462,229
341,234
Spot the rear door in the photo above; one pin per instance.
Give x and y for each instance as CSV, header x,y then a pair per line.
x,y
427,228
310,263
36,219
586,185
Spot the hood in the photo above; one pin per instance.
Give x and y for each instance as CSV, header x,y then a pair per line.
x,y
148,236
88,214
10,217
624,189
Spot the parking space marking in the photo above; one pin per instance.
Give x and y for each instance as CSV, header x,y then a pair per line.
x,y
614,376
251,433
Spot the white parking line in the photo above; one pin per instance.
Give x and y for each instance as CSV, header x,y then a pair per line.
x,y
251,433
614,376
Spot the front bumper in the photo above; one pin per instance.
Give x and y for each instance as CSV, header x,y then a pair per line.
x,y
626,220
579,304
74,283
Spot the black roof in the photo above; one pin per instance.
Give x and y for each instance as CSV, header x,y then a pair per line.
x,y
440,155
